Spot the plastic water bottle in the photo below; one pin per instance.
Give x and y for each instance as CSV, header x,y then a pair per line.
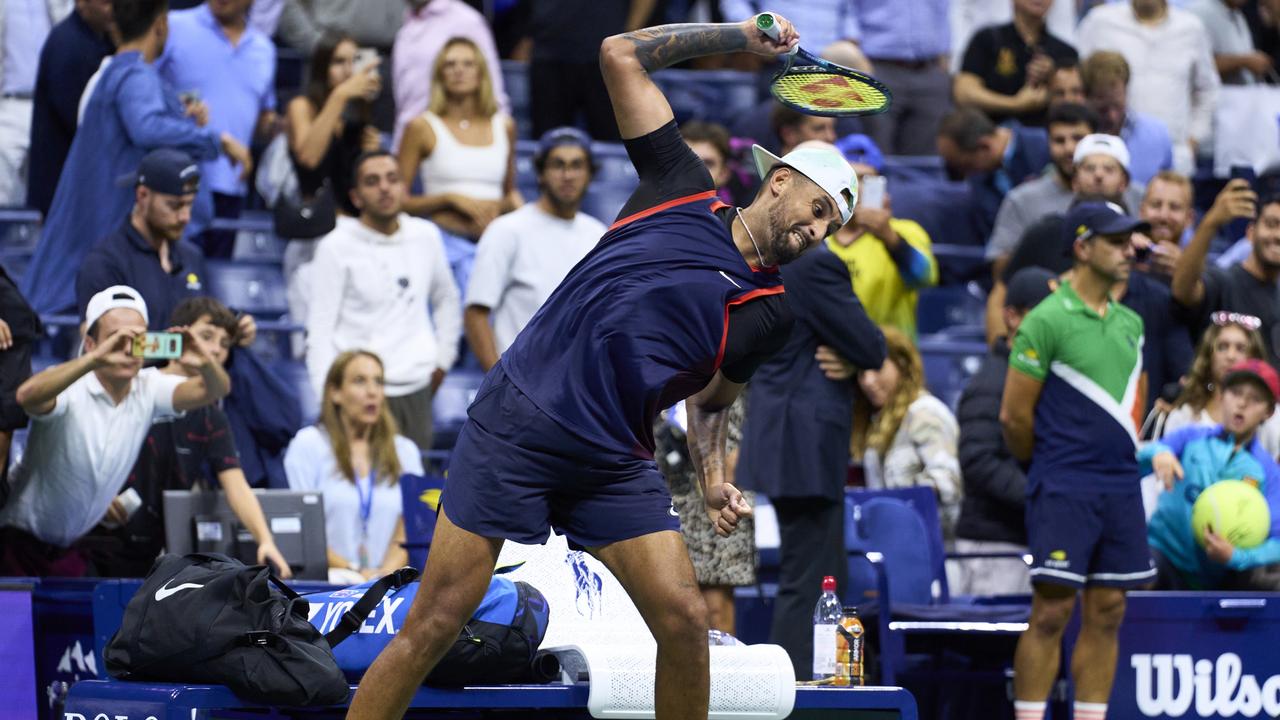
x,y
826,616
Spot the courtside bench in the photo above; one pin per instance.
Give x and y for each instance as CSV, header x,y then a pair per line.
x,y
145,701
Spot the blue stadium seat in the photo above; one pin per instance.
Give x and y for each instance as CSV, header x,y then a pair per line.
x,y
940,206
613,164
715,95
944,307
256,239
19,231
255,288
894,541
604,200
449,406
515,76
295,373
949,362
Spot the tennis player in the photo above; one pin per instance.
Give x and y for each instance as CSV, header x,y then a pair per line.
x,y
681,298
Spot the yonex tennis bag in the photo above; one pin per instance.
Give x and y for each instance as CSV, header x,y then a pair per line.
x,y
498,645
207,618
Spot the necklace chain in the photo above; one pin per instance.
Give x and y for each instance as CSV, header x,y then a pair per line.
x,y
750,237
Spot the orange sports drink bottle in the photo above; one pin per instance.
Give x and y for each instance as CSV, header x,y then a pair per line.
x,y
849,649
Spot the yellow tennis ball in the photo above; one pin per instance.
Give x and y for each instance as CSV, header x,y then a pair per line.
x,y
1236,510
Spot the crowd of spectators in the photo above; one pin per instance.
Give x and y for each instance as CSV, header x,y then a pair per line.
x,y
1079,132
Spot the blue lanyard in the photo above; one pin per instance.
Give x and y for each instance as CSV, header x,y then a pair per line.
x,y
366,503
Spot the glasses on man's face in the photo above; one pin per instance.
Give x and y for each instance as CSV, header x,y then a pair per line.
x,y
1223,318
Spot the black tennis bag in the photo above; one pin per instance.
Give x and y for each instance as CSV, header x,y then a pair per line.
x,y
207,618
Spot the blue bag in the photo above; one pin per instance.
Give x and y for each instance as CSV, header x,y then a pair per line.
x,y
498,645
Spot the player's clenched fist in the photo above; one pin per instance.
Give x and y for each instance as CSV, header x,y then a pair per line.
x,y
727,508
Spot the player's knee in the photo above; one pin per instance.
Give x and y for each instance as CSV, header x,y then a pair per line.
x,y
438,623
1104,612
683,619
1050,614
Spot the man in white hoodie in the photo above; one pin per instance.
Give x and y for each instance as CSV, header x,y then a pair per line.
x,y
372,280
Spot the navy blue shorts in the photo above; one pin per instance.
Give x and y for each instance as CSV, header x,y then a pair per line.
x,y
1079,538
514,472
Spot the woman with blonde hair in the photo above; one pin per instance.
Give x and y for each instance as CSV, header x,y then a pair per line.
x,y
463,146
904,435
1230,338
354,458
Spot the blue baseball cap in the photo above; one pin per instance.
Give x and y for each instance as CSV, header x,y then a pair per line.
x,y
859,148
168,171
1088,219
564,135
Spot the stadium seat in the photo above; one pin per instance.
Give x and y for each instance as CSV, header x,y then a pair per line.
x,y
949,306
295,373
255,288
420,498
716,95
515,76
897,574
949,362
449,406
19,230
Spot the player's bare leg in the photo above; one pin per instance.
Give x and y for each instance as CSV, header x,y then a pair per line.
x,y
720,609
656,572
1093,662
1039,653
457,575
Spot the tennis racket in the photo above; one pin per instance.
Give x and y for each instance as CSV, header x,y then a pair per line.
x,y
817,87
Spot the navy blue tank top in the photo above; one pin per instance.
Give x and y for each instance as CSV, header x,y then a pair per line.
x,y
640,323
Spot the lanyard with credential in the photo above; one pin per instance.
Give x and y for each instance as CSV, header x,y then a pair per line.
x,y
366,510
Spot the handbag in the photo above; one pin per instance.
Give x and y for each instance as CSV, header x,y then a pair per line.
x,y
498,645
306,219
207,618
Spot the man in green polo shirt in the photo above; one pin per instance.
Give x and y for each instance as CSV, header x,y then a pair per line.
x,y
1071,402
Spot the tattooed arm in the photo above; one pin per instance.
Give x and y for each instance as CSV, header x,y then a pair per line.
x,y
626,61
708,428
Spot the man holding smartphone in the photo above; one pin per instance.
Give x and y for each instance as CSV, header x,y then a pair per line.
x,y
889,259
89,417
195,450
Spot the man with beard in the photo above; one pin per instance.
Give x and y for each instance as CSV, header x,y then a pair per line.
x,y
147,252
1067,125
524,255
1029,222
1168,205
377,274
1071,407
1102,163
681,298
1248,287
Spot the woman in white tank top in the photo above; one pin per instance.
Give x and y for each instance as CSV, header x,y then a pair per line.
x,y
463,147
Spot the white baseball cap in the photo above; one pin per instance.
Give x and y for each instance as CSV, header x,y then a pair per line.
x,y
116,296
1101,144
823,164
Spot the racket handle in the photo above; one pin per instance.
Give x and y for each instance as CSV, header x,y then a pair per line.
x,y
767,25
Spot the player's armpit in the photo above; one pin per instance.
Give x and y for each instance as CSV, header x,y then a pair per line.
x,y
718,395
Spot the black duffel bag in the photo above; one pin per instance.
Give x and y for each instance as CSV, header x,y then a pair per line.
x,y
207,618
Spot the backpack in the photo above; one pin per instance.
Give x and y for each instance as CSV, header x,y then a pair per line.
x,y
207,618
498,645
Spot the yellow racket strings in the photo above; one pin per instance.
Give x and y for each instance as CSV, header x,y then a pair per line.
x,y
825,91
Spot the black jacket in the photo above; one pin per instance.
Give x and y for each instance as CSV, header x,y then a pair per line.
x,y
795,440
995,485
